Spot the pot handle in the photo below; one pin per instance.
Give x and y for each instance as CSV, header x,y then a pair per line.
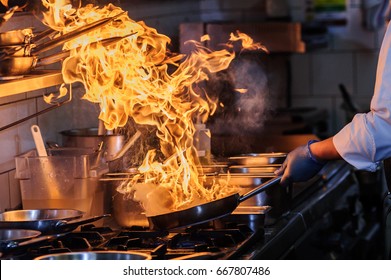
x,y
260,188
71,225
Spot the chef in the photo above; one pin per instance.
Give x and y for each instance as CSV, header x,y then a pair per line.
x,y
363,143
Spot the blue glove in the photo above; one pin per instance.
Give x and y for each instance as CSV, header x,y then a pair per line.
x,y
299,166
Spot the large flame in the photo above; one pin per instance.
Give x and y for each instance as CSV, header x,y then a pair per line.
x,y
138,77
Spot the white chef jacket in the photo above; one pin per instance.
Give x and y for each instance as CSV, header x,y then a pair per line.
x,y
366,140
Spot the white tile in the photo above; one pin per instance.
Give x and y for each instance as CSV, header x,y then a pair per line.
x,y
4,192
8,147
329,70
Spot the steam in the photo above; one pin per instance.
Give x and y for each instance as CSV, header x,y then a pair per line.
x,y
244,98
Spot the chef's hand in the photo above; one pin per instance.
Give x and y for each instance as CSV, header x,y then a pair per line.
x,y
299,166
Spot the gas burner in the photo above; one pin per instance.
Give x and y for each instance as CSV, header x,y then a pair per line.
x,y
197,242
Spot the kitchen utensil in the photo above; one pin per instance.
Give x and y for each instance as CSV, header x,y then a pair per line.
x,y
72,35
16,65
7,235
258,159
16,37
39,144
254,169
97,255
47,221
207,211
15,239
16,60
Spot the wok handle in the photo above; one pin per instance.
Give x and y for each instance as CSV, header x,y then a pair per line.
x,y
259,188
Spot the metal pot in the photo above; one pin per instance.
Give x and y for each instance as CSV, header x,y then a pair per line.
x,y
22,65
16,65
89,138
47,221
97,255
16,37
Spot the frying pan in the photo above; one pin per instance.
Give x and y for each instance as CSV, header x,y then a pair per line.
x,y
207,211
47,221
14,239
97,255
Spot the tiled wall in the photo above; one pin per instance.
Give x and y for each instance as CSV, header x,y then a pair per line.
x,y
350,58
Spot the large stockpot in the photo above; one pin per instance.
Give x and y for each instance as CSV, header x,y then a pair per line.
x,y
90,138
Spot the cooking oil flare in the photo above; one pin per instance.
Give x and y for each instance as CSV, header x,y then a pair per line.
x,y
139,78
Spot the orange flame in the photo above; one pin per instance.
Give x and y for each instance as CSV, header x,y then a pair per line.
x,y
131,78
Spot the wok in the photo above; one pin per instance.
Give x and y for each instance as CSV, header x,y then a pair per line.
x,y
207,211
47,221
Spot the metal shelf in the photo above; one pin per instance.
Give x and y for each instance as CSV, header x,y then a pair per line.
x,y
33,81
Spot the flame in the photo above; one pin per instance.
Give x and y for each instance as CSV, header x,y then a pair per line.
x,y
138,77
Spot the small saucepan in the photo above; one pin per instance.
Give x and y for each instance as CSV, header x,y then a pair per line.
x,y
47,221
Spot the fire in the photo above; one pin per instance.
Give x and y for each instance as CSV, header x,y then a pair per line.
x,y
138,77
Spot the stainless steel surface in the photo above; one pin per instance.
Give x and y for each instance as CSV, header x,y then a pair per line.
x,y
250,169
35,80
246,180
46,221
258,159
207,211
16,37
40,214
89,138
213,168
104,255
17,234
17,65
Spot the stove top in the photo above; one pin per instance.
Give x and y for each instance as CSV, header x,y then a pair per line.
x,y
201,242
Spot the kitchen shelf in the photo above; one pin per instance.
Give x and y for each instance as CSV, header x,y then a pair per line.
x,y
33,81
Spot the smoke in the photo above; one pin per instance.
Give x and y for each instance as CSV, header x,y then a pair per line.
x,y
243,97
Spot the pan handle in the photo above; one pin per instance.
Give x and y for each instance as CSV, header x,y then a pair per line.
x,y
40,239
64,225
259,188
